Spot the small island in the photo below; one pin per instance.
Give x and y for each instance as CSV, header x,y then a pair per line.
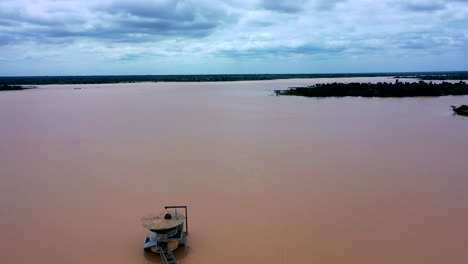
x,y
397,89
4,87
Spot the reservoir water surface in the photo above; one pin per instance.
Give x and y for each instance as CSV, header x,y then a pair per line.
x,y
267,179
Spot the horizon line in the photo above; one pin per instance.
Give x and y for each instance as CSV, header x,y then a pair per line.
x,y
234,74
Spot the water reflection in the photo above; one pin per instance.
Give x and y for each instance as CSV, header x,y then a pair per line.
x,y
180,254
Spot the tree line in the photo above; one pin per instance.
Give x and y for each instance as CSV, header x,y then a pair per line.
x,y
381,89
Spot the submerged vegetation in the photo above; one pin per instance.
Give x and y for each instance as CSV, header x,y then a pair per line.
x,y
397,89
13,87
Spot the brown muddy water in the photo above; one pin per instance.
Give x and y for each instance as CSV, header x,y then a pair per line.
x,y
267,179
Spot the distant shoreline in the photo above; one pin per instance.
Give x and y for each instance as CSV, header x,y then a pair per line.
x,y
44,80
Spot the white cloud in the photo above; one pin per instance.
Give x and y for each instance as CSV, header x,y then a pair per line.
x,y
305,33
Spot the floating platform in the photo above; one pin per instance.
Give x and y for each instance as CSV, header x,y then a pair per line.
x,y
167,231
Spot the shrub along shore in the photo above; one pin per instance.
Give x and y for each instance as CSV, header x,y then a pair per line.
x,y
397,89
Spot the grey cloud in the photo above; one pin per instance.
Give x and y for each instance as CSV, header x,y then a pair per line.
x,y
5,22
420,5
5,40
123,21
292,6
427,41
170,10
18,16
259,23
161,17
296,6
327,4
131,57
306,49
415,44
128,33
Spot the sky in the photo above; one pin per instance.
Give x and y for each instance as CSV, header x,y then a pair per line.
x,y
114,37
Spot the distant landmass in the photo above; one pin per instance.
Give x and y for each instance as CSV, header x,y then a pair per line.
x,y
451,76
397,89
38,80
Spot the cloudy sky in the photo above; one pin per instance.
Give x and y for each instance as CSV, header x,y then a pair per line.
x,y
79,37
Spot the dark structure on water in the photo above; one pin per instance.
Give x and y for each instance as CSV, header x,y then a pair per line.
x,y
167,232
460,110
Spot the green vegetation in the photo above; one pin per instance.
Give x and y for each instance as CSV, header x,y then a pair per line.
x,y
13,87
397,89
